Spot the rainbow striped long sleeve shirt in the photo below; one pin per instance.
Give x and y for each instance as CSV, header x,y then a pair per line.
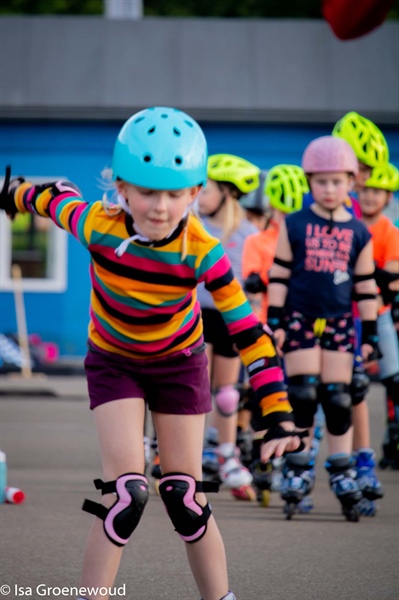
x,y
144,304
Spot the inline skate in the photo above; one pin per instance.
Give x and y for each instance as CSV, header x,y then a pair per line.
x,y
344,484
298,481
210,458
233,474
369,484
307,504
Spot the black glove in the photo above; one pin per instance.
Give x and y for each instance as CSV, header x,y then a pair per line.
x,y
370,336
275,317
254,284
7,193
277,432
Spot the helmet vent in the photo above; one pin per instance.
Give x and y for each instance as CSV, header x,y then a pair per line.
x,y
147,158
151,130
176,131
178,160
138,120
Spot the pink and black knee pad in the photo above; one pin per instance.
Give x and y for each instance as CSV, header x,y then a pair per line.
x,y
189,518
227,398
122,518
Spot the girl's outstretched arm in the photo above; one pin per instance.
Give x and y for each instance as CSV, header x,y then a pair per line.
x,y
257,351
61,201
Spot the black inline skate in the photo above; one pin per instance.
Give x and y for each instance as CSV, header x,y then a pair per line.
x,y
344,485
262,481
298,481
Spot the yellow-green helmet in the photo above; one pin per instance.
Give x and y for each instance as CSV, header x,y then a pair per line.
x,y
367,141
233,169
285,186
384,178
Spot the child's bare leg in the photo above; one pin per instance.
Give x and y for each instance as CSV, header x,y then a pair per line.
x,y
120,431
340,443
180,450
361,425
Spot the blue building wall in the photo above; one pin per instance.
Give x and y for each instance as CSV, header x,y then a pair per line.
x,y
79,151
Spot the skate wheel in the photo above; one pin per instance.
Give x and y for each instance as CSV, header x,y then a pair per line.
x,y
289,510
245,493
366,507
263,498
351,514
305,505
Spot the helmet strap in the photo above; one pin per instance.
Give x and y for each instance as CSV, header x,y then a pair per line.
x,y
123,203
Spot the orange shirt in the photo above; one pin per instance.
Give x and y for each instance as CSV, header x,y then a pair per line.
x,y
385,243
258,256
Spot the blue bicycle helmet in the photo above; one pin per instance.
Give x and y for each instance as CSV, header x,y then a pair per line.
x,y
161,148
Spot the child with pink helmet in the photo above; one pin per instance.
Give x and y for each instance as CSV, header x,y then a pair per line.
x,y
323,254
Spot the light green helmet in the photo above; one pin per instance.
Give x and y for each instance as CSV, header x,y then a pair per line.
x,y
285,186
384,178
367,141
233,169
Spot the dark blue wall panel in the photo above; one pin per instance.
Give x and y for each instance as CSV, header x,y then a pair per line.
x,y
79,151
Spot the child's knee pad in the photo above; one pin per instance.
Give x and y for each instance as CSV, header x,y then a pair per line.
x,y
124,515
359,385
302,394
227,398
189,518
337,406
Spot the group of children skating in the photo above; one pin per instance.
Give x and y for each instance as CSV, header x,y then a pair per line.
x,y
176,227
322,271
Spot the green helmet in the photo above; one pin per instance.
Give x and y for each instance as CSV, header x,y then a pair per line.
x,y
285,186
384,178
367,141
233,169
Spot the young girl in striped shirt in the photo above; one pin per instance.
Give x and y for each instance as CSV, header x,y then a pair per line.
x,y
148,253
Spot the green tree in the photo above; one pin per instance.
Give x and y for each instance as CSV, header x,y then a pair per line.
x,y
310,9
52,7
278,9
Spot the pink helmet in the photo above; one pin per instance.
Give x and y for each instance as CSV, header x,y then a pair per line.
x,y
329,154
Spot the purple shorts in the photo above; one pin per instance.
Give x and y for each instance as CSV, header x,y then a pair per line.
x,y
176,385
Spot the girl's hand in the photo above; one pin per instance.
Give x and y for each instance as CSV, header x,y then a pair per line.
x,y
368,351
279,445
7,193
279,338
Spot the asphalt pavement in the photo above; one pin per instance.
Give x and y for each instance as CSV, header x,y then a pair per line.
x,y
48,435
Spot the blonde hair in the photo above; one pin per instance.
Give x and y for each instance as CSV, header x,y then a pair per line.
x,y
109,198
192,214
234,215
